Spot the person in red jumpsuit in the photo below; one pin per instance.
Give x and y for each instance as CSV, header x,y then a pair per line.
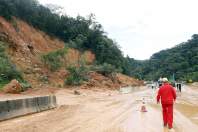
x,y
167,95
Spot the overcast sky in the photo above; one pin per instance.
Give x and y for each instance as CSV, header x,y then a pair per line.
x,y
140,27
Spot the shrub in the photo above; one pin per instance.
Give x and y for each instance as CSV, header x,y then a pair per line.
x,y
189,81
191,77
25,85
8,71
195,76
105,69
3,83
53,59
77,75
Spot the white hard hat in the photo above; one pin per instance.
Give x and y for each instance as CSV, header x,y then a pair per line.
x,y
164,79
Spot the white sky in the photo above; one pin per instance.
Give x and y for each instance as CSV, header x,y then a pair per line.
x,y
140,27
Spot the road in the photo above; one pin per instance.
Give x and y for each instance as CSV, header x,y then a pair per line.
x,y
109,111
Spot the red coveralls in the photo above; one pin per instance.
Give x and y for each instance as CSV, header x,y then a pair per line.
x,y
167,95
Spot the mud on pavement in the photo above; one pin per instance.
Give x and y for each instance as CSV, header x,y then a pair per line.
x,y
106,111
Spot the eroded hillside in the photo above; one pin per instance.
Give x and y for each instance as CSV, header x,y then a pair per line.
x,y
26,46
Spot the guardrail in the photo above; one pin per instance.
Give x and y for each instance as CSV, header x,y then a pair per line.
x,y
19,107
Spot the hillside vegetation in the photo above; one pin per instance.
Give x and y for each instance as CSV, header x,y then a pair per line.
x,y
7,69
180,61
80,32
48,49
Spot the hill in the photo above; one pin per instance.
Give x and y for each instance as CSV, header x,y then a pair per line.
x,y
25,48
80,33
37,52
180,61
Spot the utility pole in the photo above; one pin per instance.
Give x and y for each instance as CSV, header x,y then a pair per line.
x,y
173,77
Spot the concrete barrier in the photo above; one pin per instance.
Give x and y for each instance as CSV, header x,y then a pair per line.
x,y
128,89
19,107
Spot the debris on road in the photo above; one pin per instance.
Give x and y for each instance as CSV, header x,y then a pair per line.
x,y
77,92
13,87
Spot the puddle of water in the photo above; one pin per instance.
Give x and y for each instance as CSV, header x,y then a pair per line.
x,y
189,111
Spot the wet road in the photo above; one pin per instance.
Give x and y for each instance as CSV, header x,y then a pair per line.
x,y
109,112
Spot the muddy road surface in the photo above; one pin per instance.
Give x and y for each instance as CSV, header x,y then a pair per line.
x,y
109,111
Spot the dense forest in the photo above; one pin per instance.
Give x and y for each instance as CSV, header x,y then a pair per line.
x,y
179,62
85,33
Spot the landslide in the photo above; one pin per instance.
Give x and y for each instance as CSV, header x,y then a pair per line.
x,y
26,46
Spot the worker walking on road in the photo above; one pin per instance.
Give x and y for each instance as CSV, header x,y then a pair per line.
x,y
167,95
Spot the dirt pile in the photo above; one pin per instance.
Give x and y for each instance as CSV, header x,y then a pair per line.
x,y
98,80
13,87
128,81
112,82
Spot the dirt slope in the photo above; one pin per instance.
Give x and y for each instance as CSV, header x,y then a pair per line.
x,y
99,81
26,45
